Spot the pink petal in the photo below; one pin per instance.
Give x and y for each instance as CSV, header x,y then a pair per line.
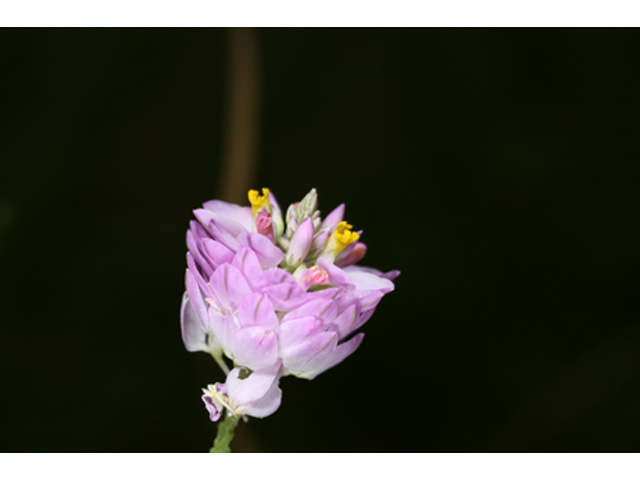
x,y
351,254
256,309
215,410
285,296
322,308
255,347
301,242
298,356
276,214
275,207
224,328
268,254
266,405
368,299
277,275
221,228
247,262
332,293
193,268
201,261
390,275
237,213
337,276
361,319
346,320
198,231
319,364
252,388
319,242
295,331
217,252
194,338
229,286
334,218
195,296
369,281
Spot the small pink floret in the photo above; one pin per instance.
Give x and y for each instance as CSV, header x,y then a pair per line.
x,y
312,276
263,224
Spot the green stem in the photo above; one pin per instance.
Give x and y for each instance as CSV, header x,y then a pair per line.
x,y
220,361
226,430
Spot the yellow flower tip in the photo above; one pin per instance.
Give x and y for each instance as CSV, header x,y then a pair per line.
x,y
344,236
258,201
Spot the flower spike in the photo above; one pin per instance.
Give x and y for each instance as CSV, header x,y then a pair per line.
x,y
274,299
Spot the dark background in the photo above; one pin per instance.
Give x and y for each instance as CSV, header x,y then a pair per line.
x,y
498,169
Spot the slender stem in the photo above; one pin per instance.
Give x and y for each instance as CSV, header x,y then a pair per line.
x,y
216,352
221,363
226,430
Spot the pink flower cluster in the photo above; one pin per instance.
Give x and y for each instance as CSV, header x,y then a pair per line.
x,y
275,301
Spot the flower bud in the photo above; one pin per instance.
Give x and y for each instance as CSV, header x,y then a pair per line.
x,y
309,204
334,218
349,256
216,399
264,224
276,217
319,242
307,277
300,243
305,208
292,219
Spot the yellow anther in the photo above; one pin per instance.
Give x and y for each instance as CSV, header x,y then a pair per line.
x,y
344,236
258,201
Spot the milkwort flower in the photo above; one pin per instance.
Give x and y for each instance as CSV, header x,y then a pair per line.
x,y
274,300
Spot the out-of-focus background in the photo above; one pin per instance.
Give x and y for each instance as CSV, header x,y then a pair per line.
x,y
497,169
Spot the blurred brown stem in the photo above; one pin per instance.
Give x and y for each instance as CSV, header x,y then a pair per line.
x,y
240,150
